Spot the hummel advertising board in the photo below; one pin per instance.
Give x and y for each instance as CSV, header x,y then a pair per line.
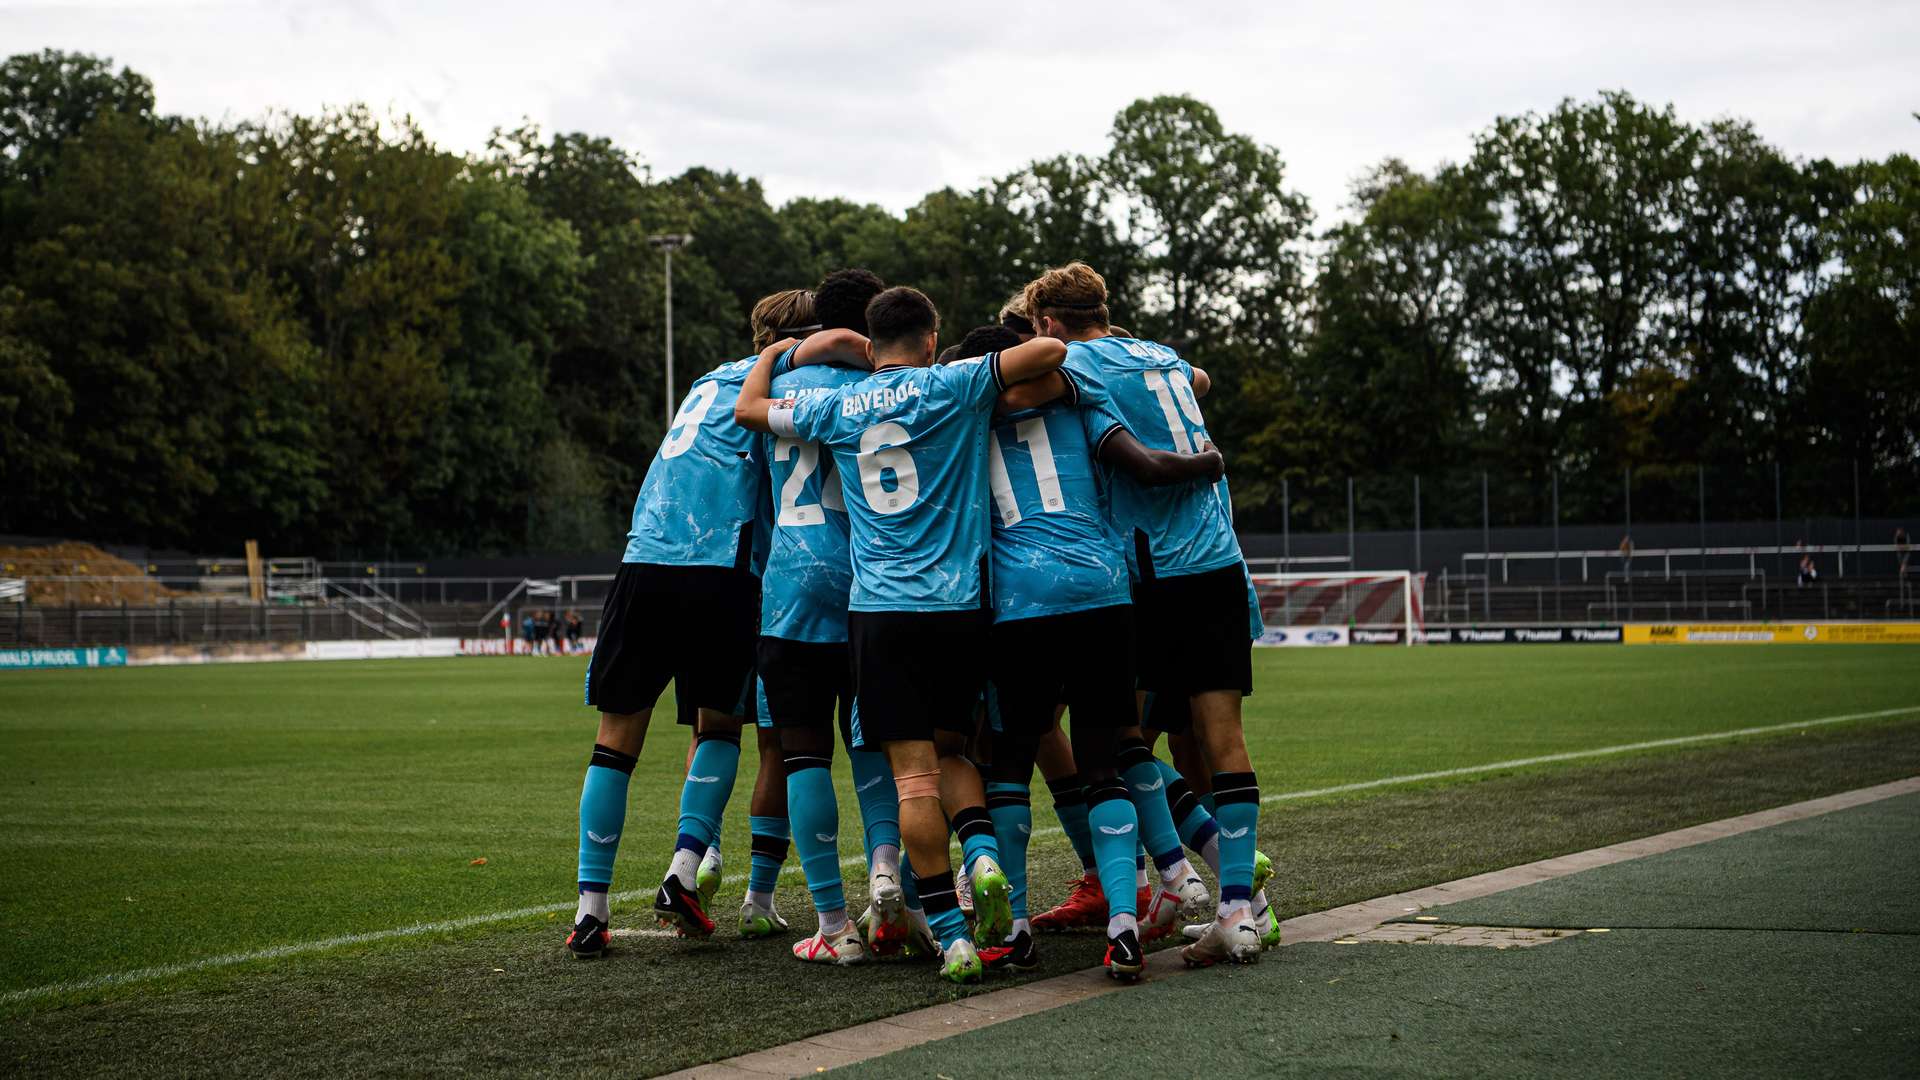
x,y
1521,635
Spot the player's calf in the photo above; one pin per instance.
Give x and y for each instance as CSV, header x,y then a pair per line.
x,y
603,808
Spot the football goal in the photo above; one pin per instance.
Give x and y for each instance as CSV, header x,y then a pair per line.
x,y
1374,607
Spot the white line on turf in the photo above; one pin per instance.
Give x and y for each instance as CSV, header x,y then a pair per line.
x,y
277,952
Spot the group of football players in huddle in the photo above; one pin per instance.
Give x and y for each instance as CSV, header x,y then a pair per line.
x,y
927,558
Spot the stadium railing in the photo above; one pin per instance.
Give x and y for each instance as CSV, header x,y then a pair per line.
x,y
216,607
1671,560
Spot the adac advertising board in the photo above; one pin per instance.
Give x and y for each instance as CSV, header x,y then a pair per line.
x,y
1303,636
1773,634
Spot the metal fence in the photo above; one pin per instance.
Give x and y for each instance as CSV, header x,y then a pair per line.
x,y
1770,541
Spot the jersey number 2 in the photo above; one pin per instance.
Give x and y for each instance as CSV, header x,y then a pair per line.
x,y
806,457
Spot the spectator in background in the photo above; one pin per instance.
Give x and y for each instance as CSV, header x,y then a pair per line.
x,y
575,628
526,630
1626,554
1809,573
1902,550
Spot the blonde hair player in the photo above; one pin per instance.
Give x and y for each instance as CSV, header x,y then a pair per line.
x,y
1192,596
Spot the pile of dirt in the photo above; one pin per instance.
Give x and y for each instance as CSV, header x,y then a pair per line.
x,y
90,575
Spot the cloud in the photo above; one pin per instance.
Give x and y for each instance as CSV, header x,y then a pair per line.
x,y
886,102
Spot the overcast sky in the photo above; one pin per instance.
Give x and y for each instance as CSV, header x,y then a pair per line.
x,y
887,101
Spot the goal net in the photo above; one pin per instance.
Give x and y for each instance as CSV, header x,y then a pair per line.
x,y
1374,608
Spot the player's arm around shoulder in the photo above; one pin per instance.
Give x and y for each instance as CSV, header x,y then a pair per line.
x,y
758,410
1030,360
1158,468
846,348
756,401
1032,394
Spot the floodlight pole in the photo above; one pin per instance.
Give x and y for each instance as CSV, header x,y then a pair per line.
x,y
668,243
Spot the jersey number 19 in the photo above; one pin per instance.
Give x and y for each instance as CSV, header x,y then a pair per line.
x,y
1176,398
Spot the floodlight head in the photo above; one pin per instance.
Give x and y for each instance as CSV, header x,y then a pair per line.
x,y
670,241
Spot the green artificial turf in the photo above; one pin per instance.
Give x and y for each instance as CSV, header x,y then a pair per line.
x,y
189,813
1786,952
1847,872
1633,1003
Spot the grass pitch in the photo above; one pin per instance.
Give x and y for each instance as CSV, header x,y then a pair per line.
x,y
180,815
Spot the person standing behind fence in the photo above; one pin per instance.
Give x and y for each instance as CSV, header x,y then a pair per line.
x,y
1809,573
1902,550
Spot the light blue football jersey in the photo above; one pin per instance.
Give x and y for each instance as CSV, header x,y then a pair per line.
x,y
803,596
1054,550
1146,388
910,445
707,484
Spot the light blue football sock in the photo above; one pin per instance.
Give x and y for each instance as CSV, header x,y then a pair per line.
x,y
975,830
879,804
1208,804
1239,817
944,916
815,813
1070,806
1194,820
1116,841
769,839
1147,788
709,783
1011,808
909,885
603,814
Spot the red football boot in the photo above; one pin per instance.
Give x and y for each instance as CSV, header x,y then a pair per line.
x,y
1085,905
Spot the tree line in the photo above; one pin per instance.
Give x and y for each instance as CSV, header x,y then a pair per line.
x,y
329,333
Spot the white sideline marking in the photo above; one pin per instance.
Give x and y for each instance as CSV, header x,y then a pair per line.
x,y
1574,755
446,925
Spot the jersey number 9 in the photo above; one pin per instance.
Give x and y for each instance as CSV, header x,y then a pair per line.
x,y
686,422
